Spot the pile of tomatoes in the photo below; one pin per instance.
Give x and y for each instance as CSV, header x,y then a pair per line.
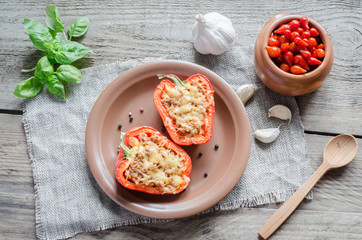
x,y
295,47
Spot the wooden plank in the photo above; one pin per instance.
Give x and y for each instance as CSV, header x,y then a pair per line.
x,y
334,213
136,29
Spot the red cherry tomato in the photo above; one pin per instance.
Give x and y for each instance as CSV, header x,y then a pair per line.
x,y
314,32
294,35
279,59
300,30
305,34
292,47
312,42
300,41
320,53
299,60
304,23
313,61
288,34
273,42
282,29
295,69
283,39
284,47
306,54
294,25
273,51
284,67
288,57
321,46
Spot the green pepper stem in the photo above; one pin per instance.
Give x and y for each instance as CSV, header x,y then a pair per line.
x,y
122,146
173,77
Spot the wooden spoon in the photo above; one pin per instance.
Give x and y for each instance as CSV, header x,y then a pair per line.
x,y
339,152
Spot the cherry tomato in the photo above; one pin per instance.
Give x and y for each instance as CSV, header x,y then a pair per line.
x,y
283,39
284,47
295,69
300,30
284,67
273,42
314,32
313,61
300,48
288,34
305,34
312,42
282,29
300,41
299,60
273,51
304,23
320,53
279,59
292,46
321,46
312,49
306,54
288,57
294,25
294,35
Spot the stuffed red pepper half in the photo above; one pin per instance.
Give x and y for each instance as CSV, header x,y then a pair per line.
x,y
149,162
187,108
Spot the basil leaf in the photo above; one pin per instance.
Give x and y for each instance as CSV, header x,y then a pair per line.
x,y
78,27
53,19
29,88
51,58
39,35
55,86
70,51
68,73
43,68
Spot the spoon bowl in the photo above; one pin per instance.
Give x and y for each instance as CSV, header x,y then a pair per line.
x,y
340,151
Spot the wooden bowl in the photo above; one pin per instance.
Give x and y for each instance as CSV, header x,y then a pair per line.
x,y
287,83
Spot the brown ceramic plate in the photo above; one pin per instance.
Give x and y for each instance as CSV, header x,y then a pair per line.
x,y
134,89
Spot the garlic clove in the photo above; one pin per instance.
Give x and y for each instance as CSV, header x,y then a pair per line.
x,y
267,135
280,111
212,33
246,91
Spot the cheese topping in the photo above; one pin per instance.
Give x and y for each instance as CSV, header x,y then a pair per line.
x,y
187,106
154,165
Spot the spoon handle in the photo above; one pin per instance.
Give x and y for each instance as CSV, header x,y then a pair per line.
x,y
292,203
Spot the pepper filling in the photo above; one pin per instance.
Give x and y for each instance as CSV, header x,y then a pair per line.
x,y
151,164
187,107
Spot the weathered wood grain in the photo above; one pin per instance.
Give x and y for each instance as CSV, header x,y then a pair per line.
x,y
334,213
135,29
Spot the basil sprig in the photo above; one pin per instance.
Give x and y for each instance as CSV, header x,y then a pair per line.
x,y
53,68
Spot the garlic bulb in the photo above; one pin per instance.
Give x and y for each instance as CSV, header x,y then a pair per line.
x,y
281,112
267,135
212,33
246,91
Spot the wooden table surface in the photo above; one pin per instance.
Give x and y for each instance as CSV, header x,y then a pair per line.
x,y
123,30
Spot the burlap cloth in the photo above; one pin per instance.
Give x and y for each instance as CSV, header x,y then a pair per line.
x,y
68,199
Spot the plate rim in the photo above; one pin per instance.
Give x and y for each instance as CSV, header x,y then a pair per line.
x,y
137,70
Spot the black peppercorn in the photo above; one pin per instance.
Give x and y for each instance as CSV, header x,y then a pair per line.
x,y
216,146
119,127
